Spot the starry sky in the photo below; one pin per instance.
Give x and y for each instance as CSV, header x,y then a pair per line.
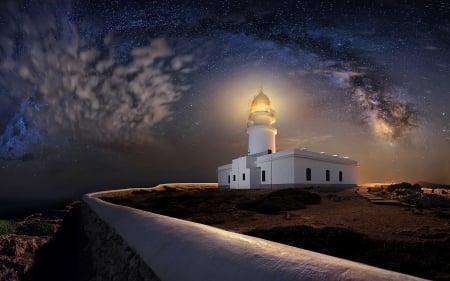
x,y
109,94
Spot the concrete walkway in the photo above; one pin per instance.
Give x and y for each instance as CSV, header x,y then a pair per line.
x,y
364,192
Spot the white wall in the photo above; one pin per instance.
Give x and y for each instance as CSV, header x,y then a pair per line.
x,y
318,169
267,167
240,166
222,175
261,138
255,177
283,171
180,250
288,168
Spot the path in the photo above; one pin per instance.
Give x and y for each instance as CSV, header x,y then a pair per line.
x,y
364,192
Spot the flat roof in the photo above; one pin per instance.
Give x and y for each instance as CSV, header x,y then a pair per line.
x,y
304,153
224,167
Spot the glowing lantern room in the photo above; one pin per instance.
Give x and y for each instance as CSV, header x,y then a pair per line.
x,y
260,129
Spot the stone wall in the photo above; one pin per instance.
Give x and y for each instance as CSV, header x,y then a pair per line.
x,y
110,257
130,244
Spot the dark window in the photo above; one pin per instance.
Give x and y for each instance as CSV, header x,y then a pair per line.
x,y
243,177
308,174
340,175
234,177
263,175
228,178
327,175
269,151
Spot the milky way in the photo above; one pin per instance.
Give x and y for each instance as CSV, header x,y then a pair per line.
x,y
133,84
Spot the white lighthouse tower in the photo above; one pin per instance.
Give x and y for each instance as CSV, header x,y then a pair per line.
x,y
264,167
260,129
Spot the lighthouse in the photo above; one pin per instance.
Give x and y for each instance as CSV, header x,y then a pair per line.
x,y
260,129
264,167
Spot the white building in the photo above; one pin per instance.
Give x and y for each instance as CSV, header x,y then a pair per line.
x,y
263,167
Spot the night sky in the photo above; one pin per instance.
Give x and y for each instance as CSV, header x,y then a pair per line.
x,y
98,95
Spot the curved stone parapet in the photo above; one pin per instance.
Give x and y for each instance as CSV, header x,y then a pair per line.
x,y
175,249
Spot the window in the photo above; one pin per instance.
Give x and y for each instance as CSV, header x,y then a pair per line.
x,y
340,175
263,176
243,177
308,174
228,178
234,177
327,175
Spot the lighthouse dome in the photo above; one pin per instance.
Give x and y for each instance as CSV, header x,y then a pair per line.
x,y
260,102
260,111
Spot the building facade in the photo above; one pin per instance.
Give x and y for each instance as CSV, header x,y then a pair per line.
x,y
264,167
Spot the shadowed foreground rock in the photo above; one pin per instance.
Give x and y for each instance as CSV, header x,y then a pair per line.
x,y
17,254
43,257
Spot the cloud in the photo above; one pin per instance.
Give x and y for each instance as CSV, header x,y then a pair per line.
x,y
107,85
82,88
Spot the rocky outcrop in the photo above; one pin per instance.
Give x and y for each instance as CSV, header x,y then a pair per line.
x,y
18,252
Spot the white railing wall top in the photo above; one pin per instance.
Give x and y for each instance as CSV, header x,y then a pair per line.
x,y
181,250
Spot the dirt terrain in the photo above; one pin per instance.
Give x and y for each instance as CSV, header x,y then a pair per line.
x,y
43,256
344,209
396,236
348,210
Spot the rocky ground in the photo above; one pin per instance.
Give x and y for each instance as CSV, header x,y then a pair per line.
x,y
22,257
17,253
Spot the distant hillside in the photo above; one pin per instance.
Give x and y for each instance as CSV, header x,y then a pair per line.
x,y
433,185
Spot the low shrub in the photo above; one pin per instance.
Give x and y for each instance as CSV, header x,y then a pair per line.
x,y
428,201
305,197
442,214
7,226
140,191
424,259
334,241
116,200
281,200
36,228
404,185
